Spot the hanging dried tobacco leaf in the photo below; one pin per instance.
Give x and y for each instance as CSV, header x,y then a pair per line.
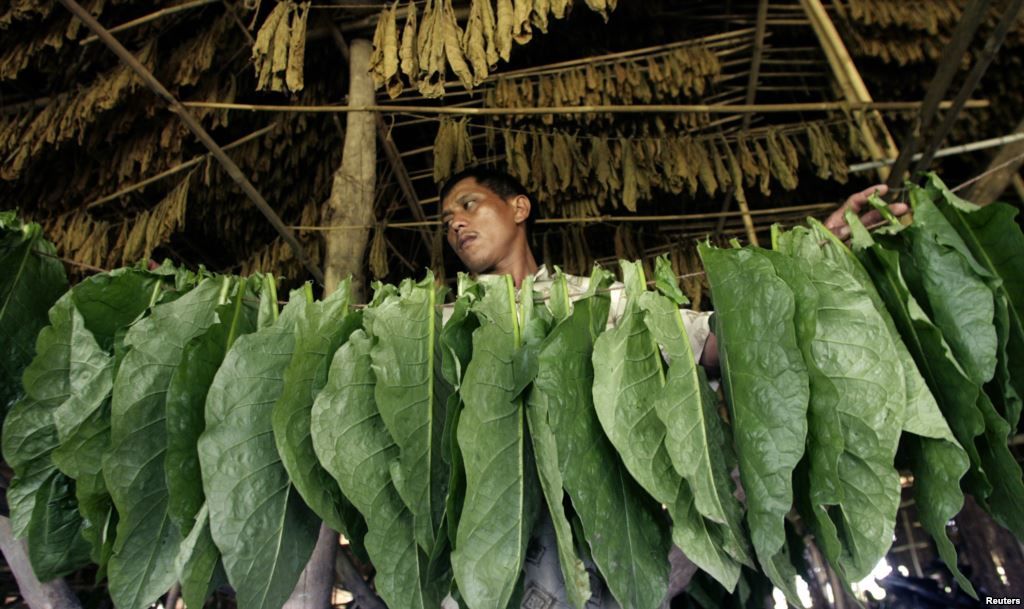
x,y
279,50
629,176
453,36
379,253
561,8
706,169
408,52
522,31
539,14
263,48
779,156
297,49
764,170
479,37
602,6
504,27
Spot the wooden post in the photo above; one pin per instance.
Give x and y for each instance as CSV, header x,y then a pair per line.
x,y
851,84
352,194
54,594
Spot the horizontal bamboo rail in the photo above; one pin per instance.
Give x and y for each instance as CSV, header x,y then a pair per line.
x,y
607,109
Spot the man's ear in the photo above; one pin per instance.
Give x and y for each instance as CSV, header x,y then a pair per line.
x,y
522,206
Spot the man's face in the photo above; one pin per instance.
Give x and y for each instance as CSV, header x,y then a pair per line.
x,y
481,226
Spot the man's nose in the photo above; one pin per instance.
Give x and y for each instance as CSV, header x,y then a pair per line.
x,y
458,222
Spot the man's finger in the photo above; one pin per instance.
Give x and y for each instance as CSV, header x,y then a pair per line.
x,y
871,218
898,209
857,201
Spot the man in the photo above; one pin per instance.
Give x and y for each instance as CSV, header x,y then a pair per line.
x,y
486,214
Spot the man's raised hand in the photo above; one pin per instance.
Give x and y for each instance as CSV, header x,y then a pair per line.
x,y
836,222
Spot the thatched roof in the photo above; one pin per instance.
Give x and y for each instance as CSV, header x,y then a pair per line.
x,y
78,127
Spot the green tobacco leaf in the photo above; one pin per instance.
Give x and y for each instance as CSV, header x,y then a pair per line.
x,y
628,376
500,487
411,394
1003,470
767,388
545,449
186,403
354,445
80,457
142,567
29,437
953,288
198,564
938,465
319,331
457,345
55,543
955,393
622,525
694,434
938,462
111,301
31,281
263,529
996,242
857,407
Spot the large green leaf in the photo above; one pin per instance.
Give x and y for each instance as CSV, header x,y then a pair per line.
x,y
80,457
996,241
499,509
31,281
457,348
142,566
411,395
937,460
354,445
545,449
628,378
321,329
956,394
768,391
694,434
29,438
952,288
263,529
186,409
198,564
55,543
620,522
857,407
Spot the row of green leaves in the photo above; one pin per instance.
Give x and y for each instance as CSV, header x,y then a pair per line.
x,y
192,432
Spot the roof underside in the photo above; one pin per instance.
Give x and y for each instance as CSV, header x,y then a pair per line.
x,y
115,177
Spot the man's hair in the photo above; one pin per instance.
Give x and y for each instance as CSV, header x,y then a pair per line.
x,y
503,184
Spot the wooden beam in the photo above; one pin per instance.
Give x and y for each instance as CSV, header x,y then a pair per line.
x,y
981,64
390,150
850,83
197,129
949,65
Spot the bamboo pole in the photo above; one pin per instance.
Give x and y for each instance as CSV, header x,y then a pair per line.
x,y
850,82
606,109
607,219
197,129
150,17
